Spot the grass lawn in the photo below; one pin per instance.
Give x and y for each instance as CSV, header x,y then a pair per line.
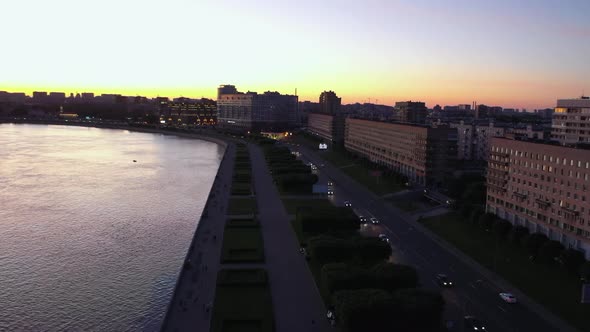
x,y
513,264
246,205
291,204
244,306
241,189
407,206
242,244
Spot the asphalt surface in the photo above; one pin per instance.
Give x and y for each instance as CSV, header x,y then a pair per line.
x,y
475,292
297,303
191,305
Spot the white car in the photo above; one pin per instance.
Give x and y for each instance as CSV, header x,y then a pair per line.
x,y
508,297
374,220
383,238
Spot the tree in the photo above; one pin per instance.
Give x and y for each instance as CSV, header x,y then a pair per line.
x,y
572,259
417,310
501,227
517,233
475,214
371,249
327,249
486,220
391,277
363,310
341,276
585,271
533,242
550,250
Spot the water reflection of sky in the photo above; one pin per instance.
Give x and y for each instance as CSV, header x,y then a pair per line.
x,y
89,239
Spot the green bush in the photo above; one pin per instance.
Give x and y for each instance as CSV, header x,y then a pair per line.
x,y
517,233
572,259
392,277
534,242
486,220
372,249
327,249
363,310
341,276
417,310
502,227
585,271
550,250
314,221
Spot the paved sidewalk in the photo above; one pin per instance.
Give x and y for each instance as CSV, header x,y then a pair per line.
x,y
298,306
191,305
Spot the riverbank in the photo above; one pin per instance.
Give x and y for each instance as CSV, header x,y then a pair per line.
x,y
202,134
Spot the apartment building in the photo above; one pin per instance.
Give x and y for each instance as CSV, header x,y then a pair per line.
x,y
270,111
426,155
571,121
542,187
328,123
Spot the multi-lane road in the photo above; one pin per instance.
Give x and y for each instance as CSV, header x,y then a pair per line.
x,y
474,292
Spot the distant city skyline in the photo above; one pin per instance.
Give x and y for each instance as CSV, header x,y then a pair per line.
x,y
518,55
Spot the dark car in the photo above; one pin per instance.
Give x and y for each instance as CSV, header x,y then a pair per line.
x,y
347,204
443,280
363,219
473,324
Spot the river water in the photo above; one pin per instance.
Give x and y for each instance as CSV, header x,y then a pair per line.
x,y
89,239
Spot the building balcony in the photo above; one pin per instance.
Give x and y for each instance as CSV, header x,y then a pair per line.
x,y
570,212
519,195
542,203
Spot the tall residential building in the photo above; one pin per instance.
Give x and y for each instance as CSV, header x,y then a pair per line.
x,y
328,123
571,121
270,111
329,103
426,155
542,187
474,138
411,111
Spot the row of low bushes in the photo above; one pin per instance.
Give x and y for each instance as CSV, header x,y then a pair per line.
x,y
538,246
365,292
291,175
242,241
242,177
242,301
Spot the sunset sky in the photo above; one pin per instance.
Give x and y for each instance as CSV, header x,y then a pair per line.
x,y
502,52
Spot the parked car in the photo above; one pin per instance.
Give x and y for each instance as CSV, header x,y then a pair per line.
x,y
508,297
303,251
443,280
383,238
473,324
347,204
374,220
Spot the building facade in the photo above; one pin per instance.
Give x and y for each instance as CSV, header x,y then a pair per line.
x,y
330,103
411,111
190,112
474,138
571,121
542,187
426,155
267,112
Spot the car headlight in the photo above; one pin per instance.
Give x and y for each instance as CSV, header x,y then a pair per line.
x,y
475,328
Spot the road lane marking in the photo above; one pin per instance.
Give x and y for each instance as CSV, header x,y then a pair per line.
x,y
502,308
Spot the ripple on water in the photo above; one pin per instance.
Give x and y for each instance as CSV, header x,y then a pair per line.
x,y
89,240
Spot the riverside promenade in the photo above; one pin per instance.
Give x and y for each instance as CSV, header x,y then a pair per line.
x,y
191,306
